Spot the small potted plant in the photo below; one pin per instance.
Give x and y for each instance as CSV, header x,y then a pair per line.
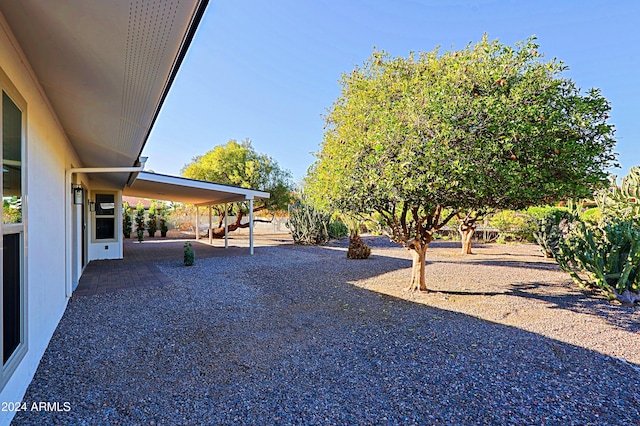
x,y
189,255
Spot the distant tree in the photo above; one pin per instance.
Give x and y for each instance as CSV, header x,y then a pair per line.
x,y
238,164
422,139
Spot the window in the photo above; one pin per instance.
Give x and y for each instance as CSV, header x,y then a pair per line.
x,y
13,305
105,217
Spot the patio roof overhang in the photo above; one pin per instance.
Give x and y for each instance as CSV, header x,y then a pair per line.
x,y
105,67
197,192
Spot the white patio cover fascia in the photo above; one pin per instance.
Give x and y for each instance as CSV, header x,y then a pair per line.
x,y
200,193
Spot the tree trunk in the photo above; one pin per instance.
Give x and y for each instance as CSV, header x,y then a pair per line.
x,y
419,252
466,234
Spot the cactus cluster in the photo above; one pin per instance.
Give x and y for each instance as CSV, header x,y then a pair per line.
x,y
551,229
622,201
308,225
606,256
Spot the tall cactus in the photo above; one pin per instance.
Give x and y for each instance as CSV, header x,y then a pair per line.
x,y
551,229
621,201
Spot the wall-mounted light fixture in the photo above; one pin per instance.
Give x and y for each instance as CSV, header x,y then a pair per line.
x,y
92,206
78,194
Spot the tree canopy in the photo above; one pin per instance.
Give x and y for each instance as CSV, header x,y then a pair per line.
x,y
487,126
238,163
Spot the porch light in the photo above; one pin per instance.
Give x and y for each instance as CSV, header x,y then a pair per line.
x,y
92,206
78,195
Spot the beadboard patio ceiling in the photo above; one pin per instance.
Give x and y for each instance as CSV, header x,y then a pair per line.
x,y
106,67
172,188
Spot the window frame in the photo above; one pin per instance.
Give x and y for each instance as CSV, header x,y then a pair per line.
x,y
8,368
114,216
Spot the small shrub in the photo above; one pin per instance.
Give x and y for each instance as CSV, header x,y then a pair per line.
x,y
337,229
189,255
510,225
357,248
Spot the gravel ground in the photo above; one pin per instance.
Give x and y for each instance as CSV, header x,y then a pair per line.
x,y
301,335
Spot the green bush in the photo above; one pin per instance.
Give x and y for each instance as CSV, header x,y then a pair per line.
x,y
337,229
308,225
189,255
593,215
510,225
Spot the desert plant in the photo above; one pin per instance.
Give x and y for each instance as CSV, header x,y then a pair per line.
x,y
337,229
189,255
126,220
606,256
358,249
140,221
308,225
551,228
592,215
152,222
622,202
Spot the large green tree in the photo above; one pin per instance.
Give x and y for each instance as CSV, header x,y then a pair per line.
x,y
238,163
422,139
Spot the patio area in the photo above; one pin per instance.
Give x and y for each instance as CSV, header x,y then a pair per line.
x,y
137,269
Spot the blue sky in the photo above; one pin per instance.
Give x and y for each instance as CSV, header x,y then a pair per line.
x,y
269,70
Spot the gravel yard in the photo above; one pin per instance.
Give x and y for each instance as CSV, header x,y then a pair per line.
x,y
301,335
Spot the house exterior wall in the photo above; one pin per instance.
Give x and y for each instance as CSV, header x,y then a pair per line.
x,y
46,156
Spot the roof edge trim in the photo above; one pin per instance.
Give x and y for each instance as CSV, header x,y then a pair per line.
x,y
186,42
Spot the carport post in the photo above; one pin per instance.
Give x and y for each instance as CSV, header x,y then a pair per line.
x,y
197,223
251,226
210,227
226,226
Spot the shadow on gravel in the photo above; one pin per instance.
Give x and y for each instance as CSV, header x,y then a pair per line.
x,y
546,266
583,302
282,337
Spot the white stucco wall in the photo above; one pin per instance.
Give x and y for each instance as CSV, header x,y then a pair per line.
x,y
48,154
